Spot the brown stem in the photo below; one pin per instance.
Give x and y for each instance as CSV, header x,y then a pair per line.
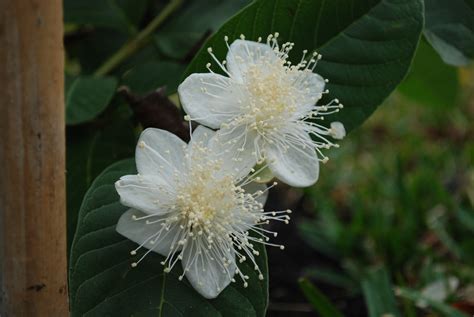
x,y
155,110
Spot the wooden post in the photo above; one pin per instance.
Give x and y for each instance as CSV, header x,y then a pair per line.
x,y
32,153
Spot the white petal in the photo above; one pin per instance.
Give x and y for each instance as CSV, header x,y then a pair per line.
x,y
298,166
311,87
159,152
146,193
142,233
243,54
198,149
253,187
201,136
236,149
210,99
337,130
206,272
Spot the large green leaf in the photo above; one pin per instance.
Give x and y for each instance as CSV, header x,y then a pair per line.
x,y
430,81
450,29
87,97
367,45
102,282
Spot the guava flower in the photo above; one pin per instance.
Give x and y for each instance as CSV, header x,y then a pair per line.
x,y
266,109
191,206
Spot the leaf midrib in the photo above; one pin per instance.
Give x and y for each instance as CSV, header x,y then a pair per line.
x,y
162,299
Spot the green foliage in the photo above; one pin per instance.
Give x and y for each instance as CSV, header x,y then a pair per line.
x,y
378,293
135,10
430,81
334,277
367,46
450,29
91,149
402,201
194,23
87,97
317,299
102,282
121,15
104,41
158,74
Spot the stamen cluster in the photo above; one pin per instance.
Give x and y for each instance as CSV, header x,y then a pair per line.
x,y
195,210
266,108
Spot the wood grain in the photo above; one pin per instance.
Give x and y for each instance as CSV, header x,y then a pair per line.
x,y
32,160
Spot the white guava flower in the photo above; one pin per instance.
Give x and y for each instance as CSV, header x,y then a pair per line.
x,y
188,204
266,109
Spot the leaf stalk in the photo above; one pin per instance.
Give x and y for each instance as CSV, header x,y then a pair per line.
x,y
136,43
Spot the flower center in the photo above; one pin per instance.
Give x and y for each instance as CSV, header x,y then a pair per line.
x,y
205,200
202,200
272,99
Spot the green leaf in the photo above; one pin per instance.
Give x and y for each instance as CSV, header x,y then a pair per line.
x,y
87,97
439,307
133,9
367,46
150,76
180,35
104,13
105,43
378,293
89,151
450,29
318,300
102,282
430,81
